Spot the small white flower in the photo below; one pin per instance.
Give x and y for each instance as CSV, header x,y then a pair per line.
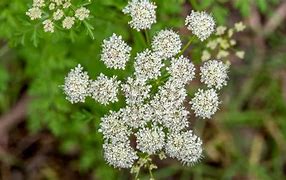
x,y
48,26
38,3
114,128
58,14
150,140
176,119
115,52
205,103
181,69
68,22
184,146
205,55
76,85
201,24
239,26
135,91
142,13
119,155
104,89
134,116
34,13
214,74
222,54
220,30
82,13
147,65
52,6
167,43
240,54
58,2
66,4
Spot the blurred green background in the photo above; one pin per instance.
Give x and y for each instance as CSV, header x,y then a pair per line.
x,y
43,136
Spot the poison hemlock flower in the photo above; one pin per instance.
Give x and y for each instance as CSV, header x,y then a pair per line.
x,y
76,85
68,22
104,89
142,13
184,146
135,91
34,13
82,13
115,52
181,69
205,103
155,119
147,65
167,43
56,10
48,26
214,74
201,24
120,155
150,140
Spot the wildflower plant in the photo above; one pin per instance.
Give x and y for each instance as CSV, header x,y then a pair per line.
x,y
59,14
154,120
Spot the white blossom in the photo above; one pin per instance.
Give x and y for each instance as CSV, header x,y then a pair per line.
x,y
147,65
181,69
214,74
167,43
205,103
142,13
134,116
115,52
58,14
82,13
184,146
76,85
135,91
34,13
120,155
38,3
48,26
104,89
150,140
114,128
68,22
201,24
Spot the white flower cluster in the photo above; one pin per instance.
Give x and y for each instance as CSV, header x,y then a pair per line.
x,y
142,13
78,86
56,11
201,24
155,115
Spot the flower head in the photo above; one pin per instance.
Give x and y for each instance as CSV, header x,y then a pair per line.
x,y
181,69
115,52
184,146
82,13
147,65
68,22
48,26
120,155
114,128
104,89
135,91
167,43
205,103
58,14
214,74
150,140
142,13
201,24
34,13
76,85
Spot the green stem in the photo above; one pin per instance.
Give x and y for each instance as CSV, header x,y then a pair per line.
x,y
137,174
151,174
187,45
147,37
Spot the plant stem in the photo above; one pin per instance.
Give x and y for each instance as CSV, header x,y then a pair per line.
x,y
147,37
187,45
151,174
